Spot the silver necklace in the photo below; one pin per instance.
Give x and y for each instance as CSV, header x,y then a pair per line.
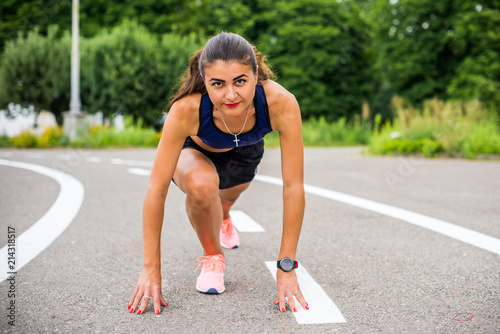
x,y
236,140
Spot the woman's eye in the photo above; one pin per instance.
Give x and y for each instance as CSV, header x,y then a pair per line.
x,y
217,84
241,81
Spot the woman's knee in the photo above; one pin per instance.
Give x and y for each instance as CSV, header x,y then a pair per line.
x,y
201,188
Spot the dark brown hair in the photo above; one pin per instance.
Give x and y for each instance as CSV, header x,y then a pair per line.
x,y
227,47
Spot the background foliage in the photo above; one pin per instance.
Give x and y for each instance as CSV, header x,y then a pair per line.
x,y
36,70
332,55
131,71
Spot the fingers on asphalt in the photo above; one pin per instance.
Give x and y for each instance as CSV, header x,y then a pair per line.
x,y
144,303
157,299
131,304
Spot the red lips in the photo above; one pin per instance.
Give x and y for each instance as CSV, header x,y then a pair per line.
x,y
234,105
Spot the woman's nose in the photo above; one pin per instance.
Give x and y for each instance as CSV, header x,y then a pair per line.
x,y
230,94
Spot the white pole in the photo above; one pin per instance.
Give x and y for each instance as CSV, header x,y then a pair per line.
x,y
75,105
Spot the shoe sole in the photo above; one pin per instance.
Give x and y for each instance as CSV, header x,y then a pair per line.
x,y
211,291
226,247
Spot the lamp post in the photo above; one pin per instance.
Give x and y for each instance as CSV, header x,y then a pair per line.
x,y
74,120
75,105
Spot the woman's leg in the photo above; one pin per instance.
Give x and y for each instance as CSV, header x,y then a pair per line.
x,y
197,177
229,196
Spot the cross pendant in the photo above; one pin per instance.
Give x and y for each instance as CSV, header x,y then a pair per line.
x,y
236,140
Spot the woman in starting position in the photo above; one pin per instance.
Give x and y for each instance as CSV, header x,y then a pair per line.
x,y
211,144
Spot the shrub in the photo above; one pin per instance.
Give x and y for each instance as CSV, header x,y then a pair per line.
x,y
452,127
320,132
426,146
50,137
24,140
35,70
126,70
132,135
131,71
4,141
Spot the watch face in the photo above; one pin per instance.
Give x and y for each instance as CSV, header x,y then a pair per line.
x,y
286,264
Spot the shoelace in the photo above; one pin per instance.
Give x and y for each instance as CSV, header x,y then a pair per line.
x,y
227,227
212,263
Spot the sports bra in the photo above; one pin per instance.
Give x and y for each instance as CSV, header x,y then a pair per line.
x,y
214,137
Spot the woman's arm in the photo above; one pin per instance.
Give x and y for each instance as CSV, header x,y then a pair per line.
x,y
167,155
289,125
292,170
178,125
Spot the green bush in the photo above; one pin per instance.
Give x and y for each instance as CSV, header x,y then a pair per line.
x,y
455,128
126,70
131,135
24,140
4,141
320,132
131,71
483,139
50,137
35,70
426,146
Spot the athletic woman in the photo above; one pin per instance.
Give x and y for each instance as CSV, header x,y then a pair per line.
x,y
211,144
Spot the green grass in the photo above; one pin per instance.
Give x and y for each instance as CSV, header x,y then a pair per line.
x,y
451,128
321,133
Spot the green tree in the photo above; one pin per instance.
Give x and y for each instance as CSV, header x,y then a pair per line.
x,y
414,53
23,16
477,38
318,50
445,49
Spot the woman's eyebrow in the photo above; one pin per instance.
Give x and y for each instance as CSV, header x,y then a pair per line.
x,y
238,77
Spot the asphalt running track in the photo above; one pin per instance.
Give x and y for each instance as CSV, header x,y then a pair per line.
x,y
388,245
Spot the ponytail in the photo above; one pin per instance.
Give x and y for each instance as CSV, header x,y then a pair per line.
x,y
265,72
226,47
191,81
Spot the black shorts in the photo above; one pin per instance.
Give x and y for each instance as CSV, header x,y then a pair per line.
x,y
236,166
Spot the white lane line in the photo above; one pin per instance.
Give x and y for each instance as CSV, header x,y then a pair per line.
x,y
322,310
138,171
460,233
132,162
41,234
243,222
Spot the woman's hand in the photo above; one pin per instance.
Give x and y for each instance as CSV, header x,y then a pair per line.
x,y
148,287
288,287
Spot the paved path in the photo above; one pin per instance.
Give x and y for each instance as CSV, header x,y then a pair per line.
x,y
382,274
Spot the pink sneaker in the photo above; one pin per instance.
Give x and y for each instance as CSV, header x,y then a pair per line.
x,y
211,279
228,235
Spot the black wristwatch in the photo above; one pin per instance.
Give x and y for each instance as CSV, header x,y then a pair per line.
x,y
287,264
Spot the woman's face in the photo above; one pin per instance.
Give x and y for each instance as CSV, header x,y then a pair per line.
x,y
231,86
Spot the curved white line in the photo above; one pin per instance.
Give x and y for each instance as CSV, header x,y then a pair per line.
x,y
41,234
460,233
